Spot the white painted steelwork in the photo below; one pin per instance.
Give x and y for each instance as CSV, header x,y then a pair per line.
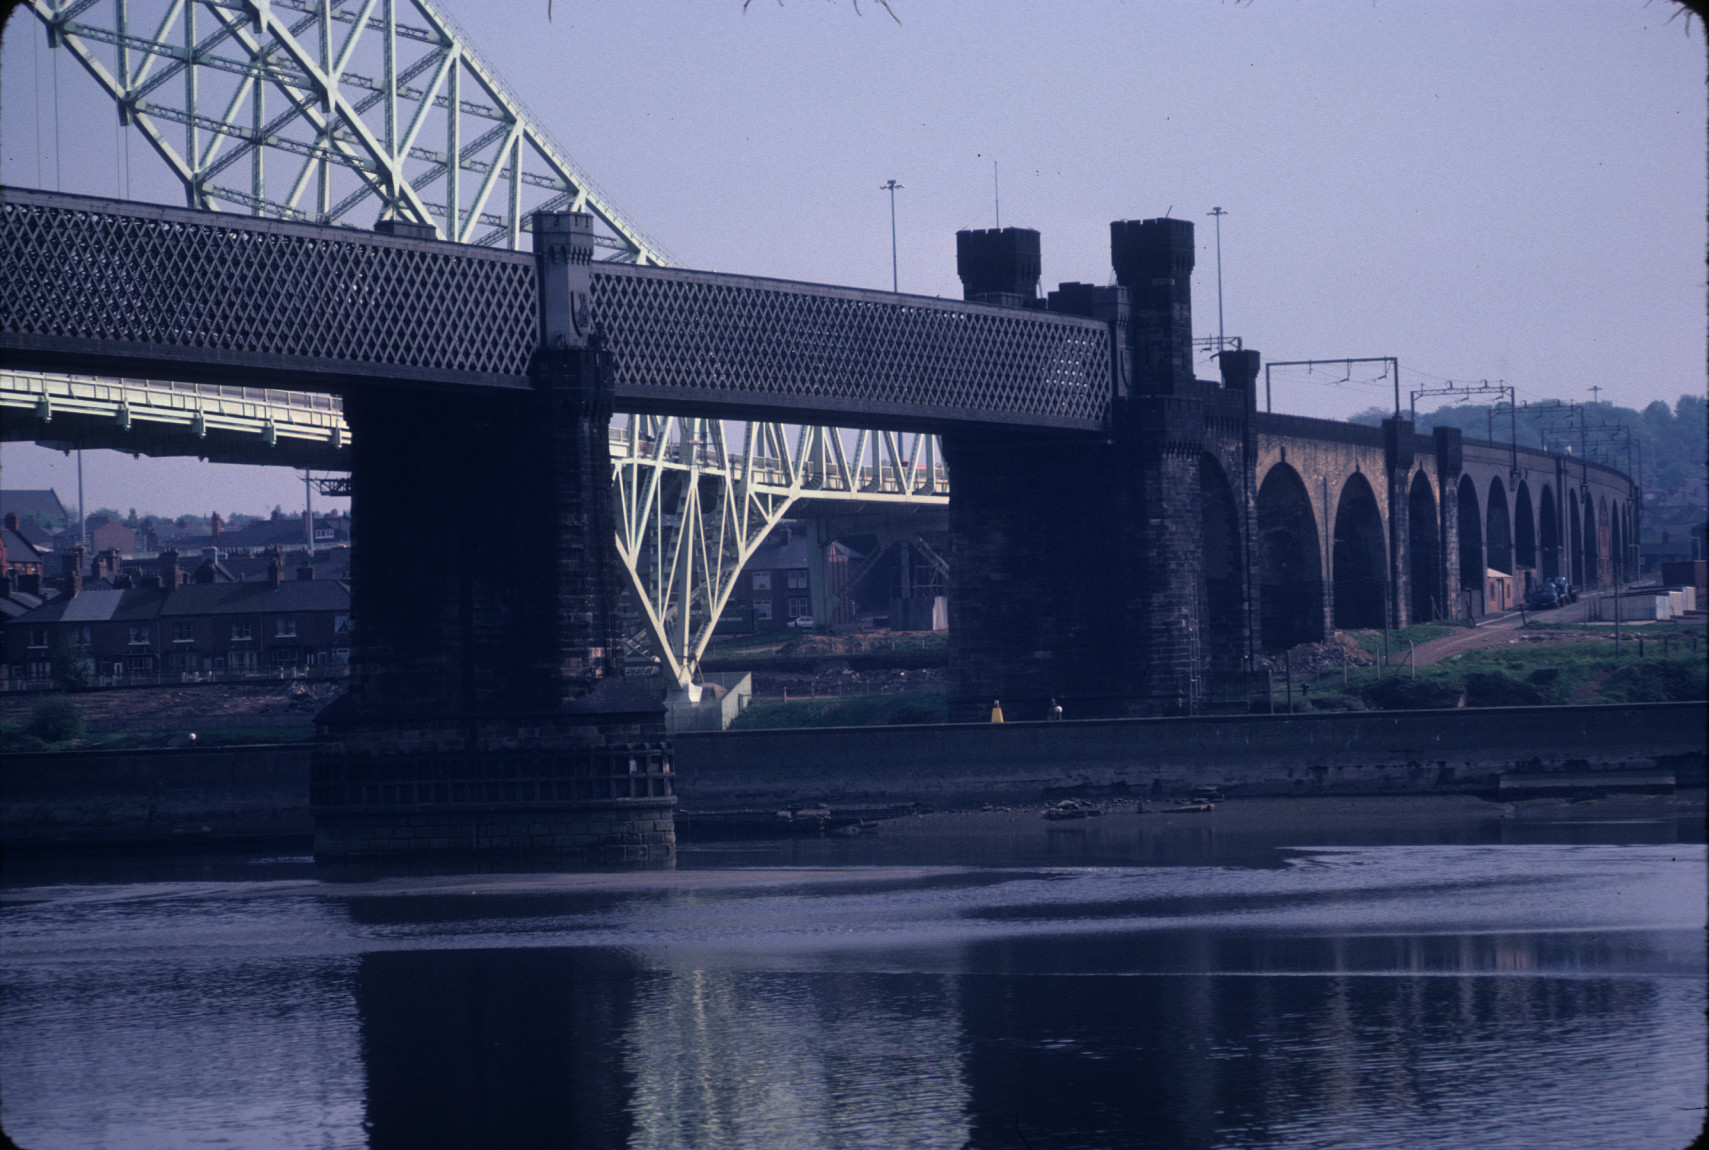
x,y
358,89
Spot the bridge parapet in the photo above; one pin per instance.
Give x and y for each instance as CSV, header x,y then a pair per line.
x,y
123,289
707,343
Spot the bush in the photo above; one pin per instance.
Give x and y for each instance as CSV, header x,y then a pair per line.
x,y
14,740
1499,689
1656,681
55,720
1397,694
1337,702
73,669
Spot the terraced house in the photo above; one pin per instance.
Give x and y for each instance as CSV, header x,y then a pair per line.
x,y
168,632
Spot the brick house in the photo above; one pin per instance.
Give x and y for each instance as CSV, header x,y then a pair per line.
x,y
235,629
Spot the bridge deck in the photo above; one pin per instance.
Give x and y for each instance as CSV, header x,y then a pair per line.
x,y
114,288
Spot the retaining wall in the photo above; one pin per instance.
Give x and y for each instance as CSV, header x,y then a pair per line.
x,y
228,794
1350,752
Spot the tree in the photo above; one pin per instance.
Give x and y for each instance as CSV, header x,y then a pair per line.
x,y
73,667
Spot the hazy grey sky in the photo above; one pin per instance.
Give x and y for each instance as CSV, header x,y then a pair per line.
x,y
1484,190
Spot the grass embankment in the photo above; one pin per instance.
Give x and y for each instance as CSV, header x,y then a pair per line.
x,y
759,649
858,711
1582,665
56,724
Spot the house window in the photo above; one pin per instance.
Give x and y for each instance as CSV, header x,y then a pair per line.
x,y
241,662
139,664
139,634
283,656
285,627
242,631
80,635
341,656
181,662
762,609
798,580
762,580
38,637
184,632
341,625
797,607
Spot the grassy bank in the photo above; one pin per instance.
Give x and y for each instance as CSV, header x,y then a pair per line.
x,y
1521,675
859,711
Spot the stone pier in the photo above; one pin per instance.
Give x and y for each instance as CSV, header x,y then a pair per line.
x,y
488,711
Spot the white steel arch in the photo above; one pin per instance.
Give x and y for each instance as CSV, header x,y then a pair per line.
x,y
333,111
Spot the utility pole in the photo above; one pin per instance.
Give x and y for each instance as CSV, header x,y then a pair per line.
x,y
892,187
1219,214
1595,393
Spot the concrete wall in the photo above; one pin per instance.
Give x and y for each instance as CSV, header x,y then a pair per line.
x,y
249,793
1369,753
163,796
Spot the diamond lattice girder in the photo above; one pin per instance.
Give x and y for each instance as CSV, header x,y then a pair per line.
x,y
171,286
357,88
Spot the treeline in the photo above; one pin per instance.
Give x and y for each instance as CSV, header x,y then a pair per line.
x,y
1674,441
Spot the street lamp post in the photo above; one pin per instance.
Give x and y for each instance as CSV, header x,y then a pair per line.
x,y
1219,214
891,186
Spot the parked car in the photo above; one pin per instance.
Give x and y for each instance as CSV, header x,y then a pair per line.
x,y
802,623
1542,598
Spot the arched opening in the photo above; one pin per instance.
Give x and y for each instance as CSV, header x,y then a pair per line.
x,y
1616,544
1471,542
1424,549
1290,568
1524,532
1498,530
1604,543
1358,562
1222,621
1549,529
1575,544
1592,555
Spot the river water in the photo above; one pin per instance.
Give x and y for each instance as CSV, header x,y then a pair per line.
x,y
1239,979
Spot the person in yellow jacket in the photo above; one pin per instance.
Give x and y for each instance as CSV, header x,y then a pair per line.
x,y
996,710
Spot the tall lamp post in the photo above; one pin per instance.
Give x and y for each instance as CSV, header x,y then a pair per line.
x,y
1219,214
891,186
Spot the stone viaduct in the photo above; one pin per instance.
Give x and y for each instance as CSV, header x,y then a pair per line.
x,y
1128,575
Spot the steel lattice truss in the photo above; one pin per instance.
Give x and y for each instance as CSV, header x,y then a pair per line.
x,y
109,287
332,112
691,511
173,289
690,339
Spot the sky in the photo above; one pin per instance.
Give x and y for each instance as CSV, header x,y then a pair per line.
x,y
1494,191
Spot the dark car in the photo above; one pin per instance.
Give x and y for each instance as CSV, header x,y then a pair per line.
x,y
1542,598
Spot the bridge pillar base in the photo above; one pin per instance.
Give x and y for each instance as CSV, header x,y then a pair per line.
x,y
488,713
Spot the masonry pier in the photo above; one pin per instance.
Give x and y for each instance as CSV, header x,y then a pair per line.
x,y
488,711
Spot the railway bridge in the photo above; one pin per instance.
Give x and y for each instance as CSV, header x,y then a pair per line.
x,y
1122,532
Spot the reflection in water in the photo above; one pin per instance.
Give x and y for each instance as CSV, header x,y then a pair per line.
x,y
1431,996
724,1058
499,1048
158,1054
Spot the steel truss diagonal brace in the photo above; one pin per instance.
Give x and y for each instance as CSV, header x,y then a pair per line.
x,y
343,96
691,512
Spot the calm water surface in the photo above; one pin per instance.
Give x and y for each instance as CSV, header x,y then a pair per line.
x,y
1112,986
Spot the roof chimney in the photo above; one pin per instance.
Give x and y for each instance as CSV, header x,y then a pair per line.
x,y
170,577
275,567
306,571
11,521
215,523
